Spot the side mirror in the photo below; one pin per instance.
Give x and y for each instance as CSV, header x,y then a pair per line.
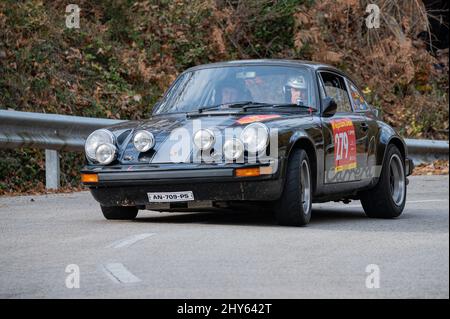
x,y
329,107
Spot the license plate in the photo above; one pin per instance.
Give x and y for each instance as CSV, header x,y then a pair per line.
x,y
170,197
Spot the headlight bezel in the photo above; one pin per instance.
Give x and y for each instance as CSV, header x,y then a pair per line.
x,y
256,147
210,143
149,135
111,139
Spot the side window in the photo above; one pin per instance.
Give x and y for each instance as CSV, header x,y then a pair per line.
x,y
321,88
334,86
359,104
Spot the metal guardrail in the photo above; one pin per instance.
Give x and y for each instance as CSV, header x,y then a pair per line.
x,y
426,151
51,132
55,133
47,131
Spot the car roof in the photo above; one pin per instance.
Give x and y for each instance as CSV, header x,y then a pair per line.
x,y
281,62
275,62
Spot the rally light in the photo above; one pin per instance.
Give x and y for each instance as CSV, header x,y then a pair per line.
x,y
96,139
204,139
255,137
105,153
143,141
233,149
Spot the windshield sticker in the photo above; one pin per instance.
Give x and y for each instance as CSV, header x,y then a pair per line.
x,y
246,75
358,100
256,118
344,144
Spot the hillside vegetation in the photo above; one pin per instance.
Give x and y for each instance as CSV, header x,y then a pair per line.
x,y
126,53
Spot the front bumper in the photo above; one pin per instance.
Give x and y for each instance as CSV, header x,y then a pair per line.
x,y
128,186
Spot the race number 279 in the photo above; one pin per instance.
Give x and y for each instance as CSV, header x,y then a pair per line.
x,y
341,144
344,144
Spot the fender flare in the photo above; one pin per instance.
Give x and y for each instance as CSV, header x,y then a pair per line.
x,y
389,136
302,140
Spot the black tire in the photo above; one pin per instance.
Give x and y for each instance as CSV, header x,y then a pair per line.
x,y
119,212
382,201
290,209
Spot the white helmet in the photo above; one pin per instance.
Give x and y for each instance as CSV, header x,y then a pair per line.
x,y
297,82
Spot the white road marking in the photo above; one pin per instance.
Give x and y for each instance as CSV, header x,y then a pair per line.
x,y
426,201
407,202
125,242
119,274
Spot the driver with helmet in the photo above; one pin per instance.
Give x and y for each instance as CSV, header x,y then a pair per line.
x,y
296,90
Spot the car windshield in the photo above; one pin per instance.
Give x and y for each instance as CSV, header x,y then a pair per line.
x,y
222,87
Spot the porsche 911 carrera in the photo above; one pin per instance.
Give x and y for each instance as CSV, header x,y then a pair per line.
x,y
277,134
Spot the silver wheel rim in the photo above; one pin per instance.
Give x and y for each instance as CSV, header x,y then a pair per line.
x,y
305,187
397,183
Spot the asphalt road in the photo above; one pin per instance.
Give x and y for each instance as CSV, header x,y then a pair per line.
x,y
224,255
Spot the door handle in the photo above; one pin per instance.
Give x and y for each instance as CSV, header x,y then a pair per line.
x,y
364,126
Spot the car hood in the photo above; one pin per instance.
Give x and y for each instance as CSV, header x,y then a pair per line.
x,y
166,128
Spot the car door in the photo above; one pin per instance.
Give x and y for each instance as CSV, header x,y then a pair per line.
x,y
345,133
363,108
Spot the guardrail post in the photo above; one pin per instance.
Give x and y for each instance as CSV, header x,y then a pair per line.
x,y
52,170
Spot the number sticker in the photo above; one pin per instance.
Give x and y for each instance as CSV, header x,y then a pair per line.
x,y
358,101
344,144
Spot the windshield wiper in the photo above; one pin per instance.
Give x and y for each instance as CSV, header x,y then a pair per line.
x,y
228,105
250,105
258,105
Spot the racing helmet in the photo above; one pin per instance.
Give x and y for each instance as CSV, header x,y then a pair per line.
x,y
298,83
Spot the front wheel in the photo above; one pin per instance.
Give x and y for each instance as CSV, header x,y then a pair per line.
x,y
119,212
295,205
387,199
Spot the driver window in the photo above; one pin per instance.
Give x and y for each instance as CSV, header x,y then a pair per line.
x,y
334,86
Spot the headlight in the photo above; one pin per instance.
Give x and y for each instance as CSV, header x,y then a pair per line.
x,y
233,149
143,141
105,153
204,139
255,137
97,138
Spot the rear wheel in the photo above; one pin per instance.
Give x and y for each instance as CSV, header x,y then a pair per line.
x,y
387,199
294,206
119,212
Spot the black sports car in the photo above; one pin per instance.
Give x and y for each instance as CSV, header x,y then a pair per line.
x,y
274,133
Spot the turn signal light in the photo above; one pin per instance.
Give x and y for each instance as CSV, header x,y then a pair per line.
x,y
254,171
265,170
89,178
247,172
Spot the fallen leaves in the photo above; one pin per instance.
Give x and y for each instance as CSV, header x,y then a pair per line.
x,y
439,167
